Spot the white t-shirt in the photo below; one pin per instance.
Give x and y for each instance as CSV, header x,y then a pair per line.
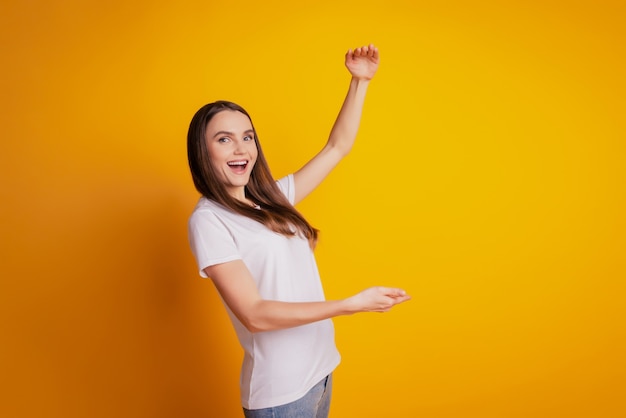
x,y
278,366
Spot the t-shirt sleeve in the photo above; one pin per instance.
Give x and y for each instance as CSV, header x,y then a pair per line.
x,y
288,187
211,242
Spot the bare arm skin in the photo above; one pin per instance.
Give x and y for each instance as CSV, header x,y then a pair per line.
x,y
236,286
234,281
362,64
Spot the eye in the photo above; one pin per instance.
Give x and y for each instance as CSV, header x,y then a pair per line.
x,y
248,138
223,139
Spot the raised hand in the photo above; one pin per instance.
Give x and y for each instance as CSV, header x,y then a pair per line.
x,y
363,62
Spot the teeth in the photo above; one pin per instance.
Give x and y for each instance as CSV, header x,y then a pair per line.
x,y
238,163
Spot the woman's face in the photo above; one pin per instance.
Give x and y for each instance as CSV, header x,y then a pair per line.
x,y
232,149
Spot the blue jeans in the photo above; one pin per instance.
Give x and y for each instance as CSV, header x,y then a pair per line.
x,y
315,404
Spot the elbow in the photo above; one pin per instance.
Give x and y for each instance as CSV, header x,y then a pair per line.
x,y
252,329
345,152
259,317
254,325
340,150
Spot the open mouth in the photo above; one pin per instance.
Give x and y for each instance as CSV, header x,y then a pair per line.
x,y
238,167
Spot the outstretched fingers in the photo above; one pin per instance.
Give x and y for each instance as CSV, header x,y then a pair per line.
x,y
396,295
379,299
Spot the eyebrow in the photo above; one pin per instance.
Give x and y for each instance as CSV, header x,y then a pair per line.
x,y
227,133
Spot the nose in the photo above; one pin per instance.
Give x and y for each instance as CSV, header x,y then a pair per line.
x,y
239,147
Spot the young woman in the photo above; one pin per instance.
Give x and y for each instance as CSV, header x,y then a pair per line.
x,y
257,248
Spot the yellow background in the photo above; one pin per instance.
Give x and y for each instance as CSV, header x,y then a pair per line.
x,y
488,180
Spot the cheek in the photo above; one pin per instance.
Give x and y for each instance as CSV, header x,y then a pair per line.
x,y
254,153
215,155
217,165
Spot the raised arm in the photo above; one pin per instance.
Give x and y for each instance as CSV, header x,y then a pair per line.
x,y
362,64
236,286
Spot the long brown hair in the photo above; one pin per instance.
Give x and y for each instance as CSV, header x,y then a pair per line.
x,y
277,213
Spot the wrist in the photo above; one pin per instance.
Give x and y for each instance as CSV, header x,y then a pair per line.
x,y
349,306
360,80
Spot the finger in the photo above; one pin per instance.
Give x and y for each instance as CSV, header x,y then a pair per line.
x,y
386,291
402,299
372,50
395,292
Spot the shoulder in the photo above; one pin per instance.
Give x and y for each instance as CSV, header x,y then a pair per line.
x,y
209,215
204,206
210,225
205,211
